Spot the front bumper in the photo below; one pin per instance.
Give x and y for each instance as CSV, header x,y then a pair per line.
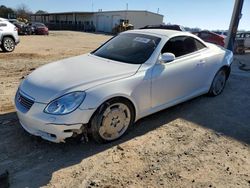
x,y
16,38
42,32
54,128
17,41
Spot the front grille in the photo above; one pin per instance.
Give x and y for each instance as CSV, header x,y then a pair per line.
x,y
24,101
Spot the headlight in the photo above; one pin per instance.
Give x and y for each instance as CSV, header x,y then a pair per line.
x,y
65,104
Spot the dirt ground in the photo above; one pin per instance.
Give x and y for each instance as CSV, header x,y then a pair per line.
x,y
201,143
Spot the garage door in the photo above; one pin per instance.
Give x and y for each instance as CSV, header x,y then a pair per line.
x,y
103,24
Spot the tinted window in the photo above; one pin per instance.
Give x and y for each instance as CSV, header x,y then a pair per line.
x,y
205,35
129,48
39,25
180,46
199,45
169,27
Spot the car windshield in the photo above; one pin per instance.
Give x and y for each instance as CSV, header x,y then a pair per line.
x,y
129,48
39,25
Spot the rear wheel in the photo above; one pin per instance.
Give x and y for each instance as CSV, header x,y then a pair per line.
x,y
8,44
112,120
219,83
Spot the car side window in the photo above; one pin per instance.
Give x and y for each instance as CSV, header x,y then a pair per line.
x,y
182,45
205,35
199,45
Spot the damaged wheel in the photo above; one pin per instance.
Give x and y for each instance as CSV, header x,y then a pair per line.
x,y
218,83
112,120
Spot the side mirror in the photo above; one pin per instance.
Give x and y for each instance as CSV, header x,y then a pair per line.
x,y
166,57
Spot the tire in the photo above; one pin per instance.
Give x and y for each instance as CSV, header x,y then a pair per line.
x,y
8,44
112,120
218,83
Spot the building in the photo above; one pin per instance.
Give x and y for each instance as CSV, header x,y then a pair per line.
x,y
103,21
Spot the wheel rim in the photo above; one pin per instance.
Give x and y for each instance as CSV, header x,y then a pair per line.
x,y
115,121
9,45
219,82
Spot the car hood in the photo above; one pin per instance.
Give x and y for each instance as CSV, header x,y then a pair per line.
x,y
77,73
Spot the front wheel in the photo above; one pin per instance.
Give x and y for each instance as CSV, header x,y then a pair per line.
x,y
8,44
112,120
218,83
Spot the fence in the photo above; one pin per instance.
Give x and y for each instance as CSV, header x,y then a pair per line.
x,y
73,27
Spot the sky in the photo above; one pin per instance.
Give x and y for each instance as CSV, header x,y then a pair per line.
x,y
210,14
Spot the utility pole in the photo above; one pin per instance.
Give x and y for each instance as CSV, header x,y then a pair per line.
x,y
126,13
236,16
92,5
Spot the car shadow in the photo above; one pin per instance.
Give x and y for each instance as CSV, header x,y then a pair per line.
x,y
1,51
31,161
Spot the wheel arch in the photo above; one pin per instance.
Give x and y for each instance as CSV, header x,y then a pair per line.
x,y
227,69
117,97
7,36
2,42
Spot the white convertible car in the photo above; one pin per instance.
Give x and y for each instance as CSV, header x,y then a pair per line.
x,y
134,74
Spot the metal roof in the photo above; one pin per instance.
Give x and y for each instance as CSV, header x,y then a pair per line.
x,y
77,12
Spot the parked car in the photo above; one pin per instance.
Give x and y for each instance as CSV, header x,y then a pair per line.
x,y
211,37
39,28
134,74
244,36
23,29
163,26
239,47
12,20
19,26
223,33
8,36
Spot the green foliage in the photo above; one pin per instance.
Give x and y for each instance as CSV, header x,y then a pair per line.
x,y
22,11
41,12
5,12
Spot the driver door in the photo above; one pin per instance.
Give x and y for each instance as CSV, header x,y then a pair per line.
x,y
181,78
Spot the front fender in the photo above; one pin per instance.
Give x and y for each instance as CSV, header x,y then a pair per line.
x,y
225,60
135,88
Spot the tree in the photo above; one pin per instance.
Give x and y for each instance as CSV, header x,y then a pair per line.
x,y
6,12
41,12
23,11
